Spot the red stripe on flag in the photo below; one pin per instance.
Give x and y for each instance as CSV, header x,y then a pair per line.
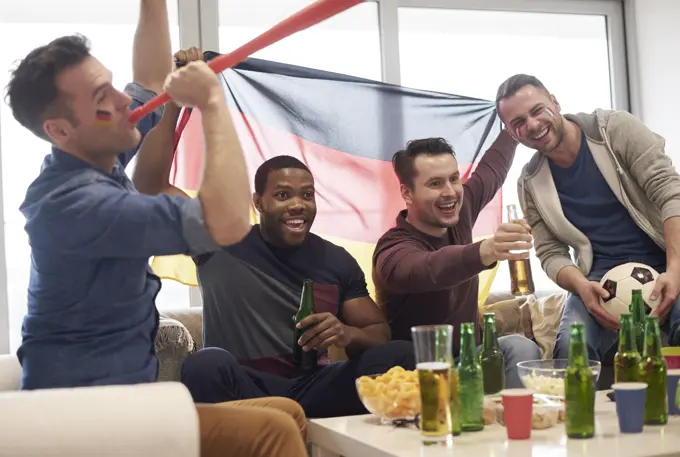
x,y
357,198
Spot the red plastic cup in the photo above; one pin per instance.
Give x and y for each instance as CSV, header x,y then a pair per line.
x,y
672,357
517,410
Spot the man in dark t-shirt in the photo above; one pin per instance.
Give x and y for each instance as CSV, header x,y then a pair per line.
x,y
251,292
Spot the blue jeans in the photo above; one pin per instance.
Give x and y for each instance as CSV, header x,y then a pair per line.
x,y
598,339
515,349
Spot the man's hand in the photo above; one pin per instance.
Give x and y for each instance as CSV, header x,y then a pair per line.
x,y
194,85
323,330
511,236
184,56
590,293
667,287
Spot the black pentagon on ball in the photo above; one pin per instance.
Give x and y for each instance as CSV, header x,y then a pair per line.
x,y
609,286
643,275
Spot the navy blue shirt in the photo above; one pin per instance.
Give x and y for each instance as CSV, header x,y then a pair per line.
x,y
591,206
91,316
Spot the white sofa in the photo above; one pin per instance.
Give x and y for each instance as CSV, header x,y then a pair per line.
x,y
150,420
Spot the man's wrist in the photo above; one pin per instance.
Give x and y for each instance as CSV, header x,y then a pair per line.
x,y
215,102
487,254
350,335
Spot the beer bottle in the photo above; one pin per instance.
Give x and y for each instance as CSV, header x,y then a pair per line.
x,y
521,279
653,371
306,359
627,359
579,387
454,400
493,367
471,387
637,309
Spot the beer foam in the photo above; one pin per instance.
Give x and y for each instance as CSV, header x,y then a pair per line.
x,y
433,366
518,392
629,386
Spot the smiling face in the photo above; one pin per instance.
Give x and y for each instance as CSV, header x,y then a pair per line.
x,y
287,206
533,118
434,201
87,89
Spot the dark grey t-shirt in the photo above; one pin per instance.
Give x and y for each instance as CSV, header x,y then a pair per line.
x,y
251,291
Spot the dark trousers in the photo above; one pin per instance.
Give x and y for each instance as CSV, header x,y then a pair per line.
x,y
213,375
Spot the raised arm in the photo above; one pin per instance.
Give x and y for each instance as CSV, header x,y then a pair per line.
x,y
154,160
151,52
224,192
407,267
103,220
490,173
151,64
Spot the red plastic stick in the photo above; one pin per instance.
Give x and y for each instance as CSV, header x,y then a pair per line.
x,y
305,18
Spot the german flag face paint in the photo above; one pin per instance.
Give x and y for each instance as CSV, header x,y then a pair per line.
x,y
103,118
521,130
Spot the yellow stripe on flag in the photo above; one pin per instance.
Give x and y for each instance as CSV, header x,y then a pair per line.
x,y
182,269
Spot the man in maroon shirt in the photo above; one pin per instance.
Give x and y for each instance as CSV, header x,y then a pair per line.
x,y
426,268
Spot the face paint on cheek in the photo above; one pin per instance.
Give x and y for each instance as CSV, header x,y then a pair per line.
x,y
549,112
521,132
103,118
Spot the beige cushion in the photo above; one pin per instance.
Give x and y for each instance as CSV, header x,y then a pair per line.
x,y
173,344
546,313
511,316
192,319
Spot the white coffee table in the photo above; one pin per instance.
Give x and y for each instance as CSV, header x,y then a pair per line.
x,y
362,436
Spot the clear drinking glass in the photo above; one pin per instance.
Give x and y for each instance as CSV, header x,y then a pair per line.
x,y
432,345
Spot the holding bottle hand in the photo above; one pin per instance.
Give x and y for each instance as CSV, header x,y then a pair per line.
x,y
512,241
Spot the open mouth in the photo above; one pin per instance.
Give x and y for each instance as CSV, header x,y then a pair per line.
x,y
448,207
540,135
297,225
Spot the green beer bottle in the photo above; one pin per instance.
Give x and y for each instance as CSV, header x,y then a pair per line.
x,y
307,360
653,371
579,387
471,386
454,400
637,309
491,359
627,359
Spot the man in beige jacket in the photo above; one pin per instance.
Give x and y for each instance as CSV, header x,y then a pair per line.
x,y
600,184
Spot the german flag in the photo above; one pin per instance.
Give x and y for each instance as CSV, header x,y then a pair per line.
x,y
345,129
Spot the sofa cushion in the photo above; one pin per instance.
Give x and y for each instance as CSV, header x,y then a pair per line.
x,y
511,316
546,313
192,319
173,344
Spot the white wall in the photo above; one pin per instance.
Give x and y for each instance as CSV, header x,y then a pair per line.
x,y
655,66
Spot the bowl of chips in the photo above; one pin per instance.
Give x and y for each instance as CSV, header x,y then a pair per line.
x,y
393,396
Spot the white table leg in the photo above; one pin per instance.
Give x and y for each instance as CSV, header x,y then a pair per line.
x,y
318,451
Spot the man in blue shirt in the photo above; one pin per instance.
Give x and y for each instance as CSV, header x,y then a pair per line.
x,y
91,315
601,184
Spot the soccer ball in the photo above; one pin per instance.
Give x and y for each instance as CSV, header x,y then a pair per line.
x,y
621,280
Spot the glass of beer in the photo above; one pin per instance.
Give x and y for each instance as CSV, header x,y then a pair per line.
x,y
432,345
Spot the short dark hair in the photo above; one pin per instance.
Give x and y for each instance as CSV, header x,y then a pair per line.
x,y
32,92
513,84
402,161
273,164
